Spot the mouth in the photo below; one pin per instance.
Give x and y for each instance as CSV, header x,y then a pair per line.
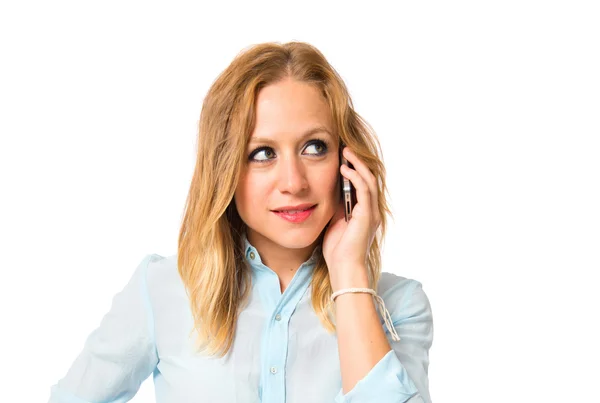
x,y
294,211
295,216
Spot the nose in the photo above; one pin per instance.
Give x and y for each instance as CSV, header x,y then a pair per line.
x,y
291,176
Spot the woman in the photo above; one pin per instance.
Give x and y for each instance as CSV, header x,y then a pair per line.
x,y
273,295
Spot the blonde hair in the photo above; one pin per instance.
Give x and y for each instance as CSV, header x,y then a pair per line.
x,y
210,258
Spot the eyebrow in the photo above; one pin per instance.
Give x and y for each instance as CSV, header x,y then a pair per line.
x,y
307,133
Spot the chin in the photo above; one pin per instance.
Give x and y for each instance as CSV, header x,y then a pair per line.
x,y
294,238
297,238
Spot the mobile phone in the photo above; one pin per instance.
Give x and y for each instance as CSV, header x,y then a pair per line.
x,y
348,191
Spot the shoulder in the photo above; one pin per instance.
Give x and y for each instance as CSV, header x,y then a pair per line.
x,y
394,287
158,264
162,274
403,297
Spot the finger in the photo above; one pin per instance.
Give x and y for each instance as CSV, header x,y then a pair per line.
x,y
367,176
363,194
361,168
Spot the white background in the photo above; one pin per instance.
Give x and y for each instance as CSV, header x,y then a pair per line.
x,y
488,114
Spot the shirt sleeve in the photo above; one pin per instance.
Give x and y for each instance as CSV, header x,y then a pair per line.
x,y
401,375
118,355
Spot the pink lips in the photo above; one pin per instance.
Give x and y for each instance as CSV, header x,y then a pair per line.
x,y
296,217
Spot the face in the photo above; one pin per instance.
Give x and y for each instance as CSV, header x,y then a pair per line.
x,y
289,165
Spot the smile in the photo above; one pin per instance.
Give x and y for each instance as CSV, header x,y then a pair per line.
x,y
295,216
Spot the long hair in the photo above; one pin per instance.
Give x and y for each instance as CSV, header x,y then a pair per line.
x,y
210,258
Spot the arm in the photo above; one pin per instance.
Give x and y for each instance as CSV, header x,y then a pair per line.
x,y
117,356
400,374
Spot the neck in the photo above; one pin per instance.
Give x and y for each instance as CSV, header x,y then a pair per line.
x,y
283,261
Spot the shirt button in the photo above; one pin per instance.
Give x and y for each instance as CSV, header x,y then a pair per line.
x,y
273,370
278,317
252,255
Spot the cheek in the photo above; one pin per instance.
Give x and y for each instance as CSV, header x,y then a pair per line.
x,y
329,181
249,194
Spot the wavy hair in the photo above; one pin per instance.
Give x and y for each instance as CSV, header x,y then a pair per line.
x,y
210,258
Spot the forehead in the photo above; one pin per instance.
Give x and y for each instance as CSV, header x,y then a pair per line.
x,y
290,109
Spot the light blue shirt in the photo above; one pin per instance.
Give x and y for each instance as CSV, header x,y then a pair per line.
x,y
281,352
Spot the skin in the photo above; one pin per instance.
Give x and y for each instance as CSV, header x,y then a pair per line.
x,y
291,172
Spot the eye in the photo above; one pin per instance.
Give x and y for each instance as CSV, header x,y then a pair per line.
x,y
317,143
266,150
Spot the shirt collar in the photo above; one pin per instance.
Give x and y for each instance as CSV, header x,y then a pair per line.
x,y
253,257
266,282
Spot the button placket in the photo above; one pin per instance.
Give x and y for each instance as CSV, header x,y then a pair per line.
x,y
275,340
276,357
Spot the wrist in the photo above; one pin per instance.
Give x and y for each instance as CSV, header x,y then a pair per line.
x,y
350,279
353,290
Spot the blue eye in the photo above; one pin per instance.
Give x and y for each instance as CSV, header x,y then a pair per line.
x,y
268,150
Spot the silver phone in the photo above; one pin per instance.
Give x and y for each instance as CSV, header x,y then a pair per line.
x,y
348,191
